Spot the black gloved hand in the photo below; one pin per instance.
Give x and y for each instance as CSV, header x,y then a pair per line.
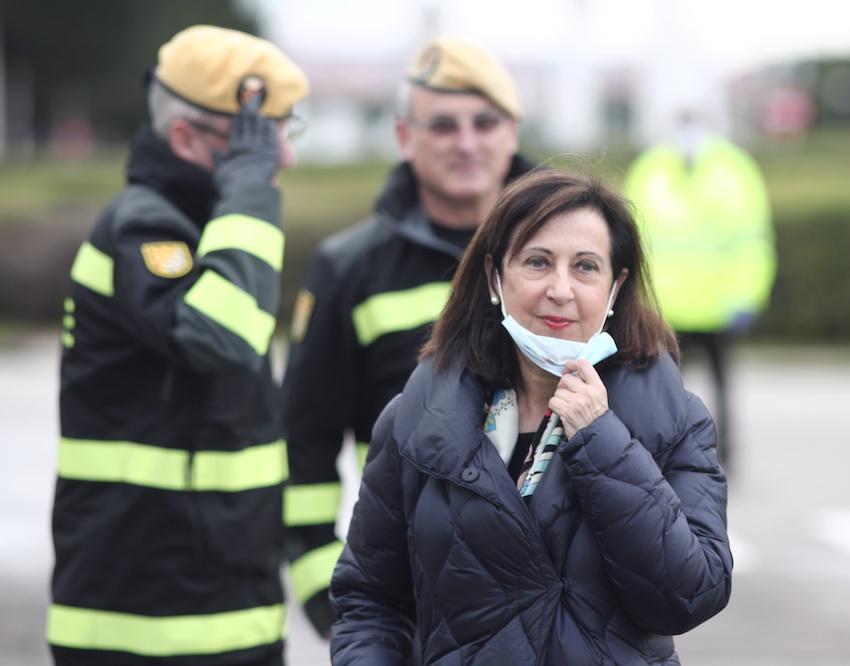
x,y
252,156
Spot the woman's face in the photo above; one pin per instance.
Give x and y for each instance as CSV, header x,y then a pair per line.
x,y
559,283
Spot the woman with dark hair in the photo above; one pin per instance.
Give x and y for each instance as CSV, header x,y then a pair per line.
x,y
519,505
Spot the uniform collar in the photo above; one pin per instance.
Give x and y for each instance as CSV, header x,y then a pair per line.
x,y
152,163
439,429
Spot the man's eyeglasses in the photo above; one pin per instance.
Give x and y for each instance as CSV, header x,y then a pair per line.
x,y
293,128
482,123
208,129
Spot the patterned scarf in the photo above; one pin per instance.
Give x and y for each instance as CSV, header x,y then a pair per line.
x,y
547,439
501,426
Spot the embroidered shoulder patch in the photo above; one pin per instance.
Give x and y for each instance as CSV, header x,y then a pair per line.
x,y
301,311
167,259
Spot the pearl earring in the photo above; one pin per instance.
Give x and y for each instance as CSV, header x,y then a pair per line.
x,y
611,312
494,300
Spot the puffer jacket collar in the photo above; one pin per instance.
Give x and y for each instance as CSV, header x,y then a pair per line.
x,y
438,428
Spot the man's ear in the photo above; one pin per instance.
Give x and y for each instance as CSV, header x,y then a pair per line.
x,y
514,127
404,139
179,139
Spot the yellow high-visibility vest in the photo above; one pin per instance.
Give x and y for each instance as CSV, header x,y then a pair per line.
x,y
707,232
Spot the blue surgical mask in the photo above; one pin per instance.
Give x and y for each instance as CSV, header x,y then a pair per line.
x,y
552,354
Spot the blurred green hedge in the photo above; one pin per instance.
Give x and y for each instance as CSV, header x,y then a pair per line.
x,y
811,295
45,210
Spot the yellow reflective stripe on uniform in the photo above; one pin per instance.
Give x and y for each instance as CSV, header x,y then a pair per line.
x,y
311,503
88,629
362,449
234,309
93,269
312,572
254,467
168,469
241,232
395,311
123,462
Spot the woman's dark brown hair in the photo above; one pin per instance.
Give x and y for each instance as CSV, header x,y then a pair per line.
x,y
470,331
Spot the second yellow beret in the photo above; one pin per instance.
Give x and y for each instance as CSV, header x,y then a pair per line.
x,y
455,65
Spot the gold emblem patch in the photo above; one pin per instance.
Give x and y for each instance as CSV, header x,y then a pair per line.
x,y
168,259
301,312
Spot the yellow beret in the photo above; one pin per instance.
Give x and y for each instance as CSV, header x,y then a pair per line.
x,y
454,65
207,67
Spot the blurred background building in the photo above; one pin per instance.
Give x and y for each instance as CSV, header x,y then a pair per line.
x,y
593,72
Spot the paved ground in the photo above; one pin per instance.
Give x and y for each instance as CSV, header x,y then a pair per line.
x,y
789,512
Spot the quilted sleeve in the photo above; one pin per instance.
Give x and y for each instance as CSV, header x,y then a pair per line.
x,y
371,588
662,534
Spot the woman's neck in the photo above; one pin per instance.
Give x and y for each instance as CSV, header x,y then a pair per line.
x,y
538,386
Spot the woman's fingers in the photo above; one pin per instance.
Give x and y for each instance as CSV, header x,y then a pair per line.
x,y
582,369
580,396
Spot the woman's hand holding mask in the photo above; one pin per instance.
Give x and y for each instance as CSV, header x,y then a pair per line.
x,y
580,398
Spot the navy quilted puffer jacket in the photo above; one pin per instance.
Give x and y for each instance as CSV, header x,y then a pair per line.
x,y
623,544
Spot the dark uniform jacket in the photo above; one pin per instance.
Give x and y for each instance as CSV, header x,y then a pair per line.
x,y
166,521
374,291
622,545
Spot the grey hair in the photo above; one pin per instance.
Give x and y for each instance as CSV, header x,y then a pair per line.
x,y
165,107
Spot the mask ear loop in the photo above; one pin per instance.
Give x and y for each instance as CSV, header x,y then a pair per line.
x,y
501,295
608,311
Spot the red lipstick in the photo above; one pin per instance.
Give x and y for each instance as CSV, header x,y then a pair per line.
x,y
557,323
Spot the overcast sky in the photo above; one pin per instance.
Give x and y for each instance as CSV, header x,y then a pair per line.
x,y
733,35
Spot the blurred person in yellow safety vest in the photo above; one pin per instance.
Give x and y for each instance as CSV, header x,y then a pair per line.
x,y
703,207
